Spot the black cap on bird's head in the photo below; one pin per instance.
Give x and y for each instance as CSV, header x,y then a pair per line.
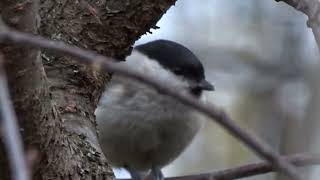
x,y
179,60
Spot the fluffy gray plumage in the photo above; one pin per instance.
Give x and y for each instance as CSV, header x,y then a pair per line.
x,y
141,128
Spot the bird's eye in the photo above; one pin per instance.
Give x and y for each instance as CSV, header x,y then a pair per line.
x,y
196,91
178,71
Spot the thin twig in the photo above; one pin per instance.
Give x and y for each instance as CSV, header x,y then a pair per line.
x,y
250,170
253,169
11,135
89,57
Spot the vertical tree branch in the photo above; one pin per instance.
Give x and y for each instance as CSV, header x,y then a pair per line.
x,y
26,75
109,27
11,136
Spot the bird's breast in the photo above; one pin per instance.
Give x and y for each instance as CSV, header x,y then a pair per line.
x,y
145,128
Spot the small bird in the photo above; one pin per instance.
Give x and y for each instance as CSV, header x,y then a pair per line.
x,y
142,129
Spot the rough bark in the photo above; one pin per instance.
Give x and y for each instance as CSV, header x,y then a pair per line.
x,y
58,108
26,75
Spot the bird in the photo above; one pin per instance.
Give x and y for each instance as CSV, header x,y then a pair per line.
x,y
142,129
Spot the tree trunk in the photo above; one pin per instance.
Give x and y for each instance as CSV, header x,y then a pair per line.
x,y
26,78
57,107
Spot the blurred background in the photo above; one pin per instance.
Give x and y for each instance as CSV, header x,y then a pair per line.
x,y
264,63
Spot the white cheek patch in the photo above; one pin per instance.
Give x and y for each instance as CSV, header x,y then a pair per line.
x,y
152,68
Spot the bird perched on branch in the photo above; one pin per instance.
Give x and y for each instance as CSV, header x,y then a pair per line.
x,y
142,129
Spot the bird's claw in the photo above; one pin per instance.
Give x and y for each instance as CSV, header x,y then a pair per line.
x,y
134,174
157,174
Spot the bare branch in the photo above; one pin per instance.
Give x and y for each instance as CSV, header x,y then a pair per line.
x,y
312,9
253,169
258,146
11,135
250,170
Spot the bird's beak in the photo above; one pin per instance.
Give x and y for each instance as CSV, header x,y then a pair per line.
x,y
205,85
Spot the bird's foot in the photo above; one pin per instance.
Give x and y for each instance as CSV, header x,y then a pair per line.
x,y
156,173
134,174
